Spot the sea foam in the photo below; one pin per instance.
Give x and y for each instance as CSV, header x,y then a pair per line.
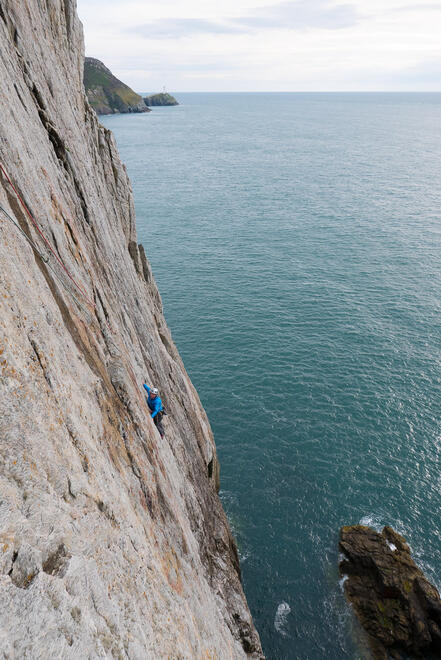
x,y
341,582
372,520
281,618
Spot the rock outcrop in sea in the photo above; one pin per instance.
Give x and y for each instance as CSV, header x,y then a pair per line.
x,y
397,606
160,99
106,94
113,542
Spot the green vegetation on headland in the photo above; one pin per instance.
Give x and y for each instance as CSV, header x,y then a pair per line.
x,y
106,94
160,99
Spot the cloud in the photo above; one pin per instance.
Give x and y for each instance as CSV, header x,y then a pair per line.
x,y
267,45
287,15
301,15
425,75
428,6
176,28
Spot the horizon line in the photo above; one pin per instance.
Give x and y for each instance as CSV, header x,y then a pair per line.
x,y
341,91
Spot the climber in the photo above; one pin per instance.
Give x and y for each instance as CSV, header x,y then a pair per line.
x,y
155,405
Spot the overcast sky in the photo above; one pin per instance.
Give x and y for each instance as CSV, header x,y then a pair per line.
x,y
259,45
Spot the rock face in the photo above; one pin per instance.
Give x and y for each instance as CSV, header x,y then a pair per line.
x,y
113,542
106,94
397,606
160,99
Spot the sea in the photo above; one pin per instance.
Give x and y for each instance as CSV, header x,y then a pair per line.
x,y
296,242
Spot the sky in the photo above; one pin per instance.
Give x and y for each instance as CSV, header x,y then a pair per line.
x,y
260,45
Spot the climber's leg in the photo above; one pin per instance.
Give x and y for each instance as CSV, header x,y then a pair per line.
x,y
158,423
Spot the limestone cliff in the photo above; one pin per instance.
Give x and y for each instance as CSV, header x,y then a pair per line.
x,y
113,543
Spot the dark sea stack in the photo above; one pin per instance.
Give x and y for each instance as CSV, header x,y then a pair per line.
x,y
160,99
397,606
106,94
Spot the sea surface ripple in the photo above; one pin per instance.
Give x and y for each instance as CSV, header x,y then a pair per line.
x,y
296,242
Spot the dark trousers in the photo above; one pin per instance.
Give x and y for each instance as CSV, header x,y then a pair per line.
x,y
158,423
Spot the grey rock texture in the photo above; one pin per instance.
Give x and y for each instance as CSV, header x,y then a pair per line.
x,y
113,543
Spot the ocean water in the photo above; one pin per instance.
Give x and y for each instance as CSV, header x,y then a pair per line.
x,y
296,242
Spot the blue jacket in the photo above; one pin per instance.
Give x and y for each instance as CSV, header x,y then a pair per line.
x,y
155,404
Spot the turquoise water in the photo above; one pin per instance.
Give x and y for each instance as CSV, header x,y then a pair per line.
x,y
296,242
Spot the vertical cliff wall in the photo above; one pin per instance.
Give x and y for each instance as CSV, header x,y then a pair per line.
x,y
113,542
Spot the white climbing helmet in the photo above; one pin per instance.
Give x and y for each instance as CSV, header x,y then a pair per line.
x,y
155,390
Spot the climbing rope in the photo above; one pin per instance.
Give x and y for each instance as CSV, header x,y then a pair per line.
x,y
46,261
37,227
29,240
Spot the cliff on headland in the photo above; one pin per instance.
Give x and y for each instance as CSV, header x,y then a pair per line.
x,y
113,542
160,99
106,94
